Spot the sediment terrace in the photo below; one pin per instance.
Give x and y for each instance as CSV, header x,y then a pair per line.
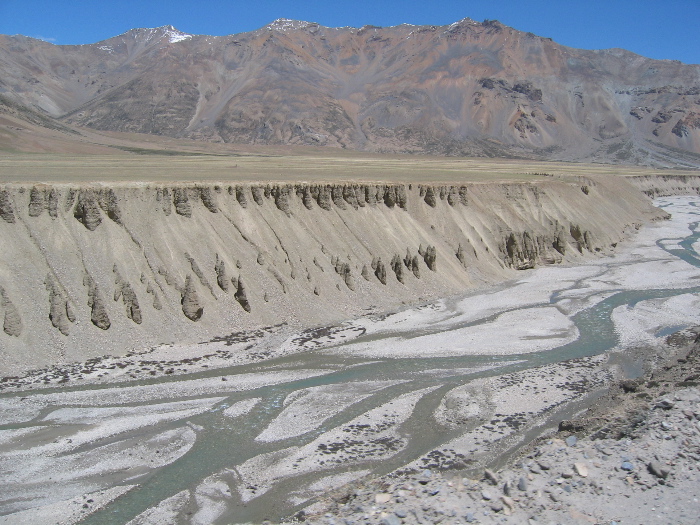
x,y
88,269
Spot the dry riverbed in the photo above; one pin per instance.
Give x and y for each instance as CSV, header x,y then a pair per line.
x,y
632,458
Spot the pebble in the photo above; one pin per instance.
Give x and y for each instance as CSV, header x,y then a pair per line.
x,y
391,520
581,469
665,404
469,517
508,502
490,477
401,513
486,495
571,441
657,470
382,498
626,465
522,484
506,488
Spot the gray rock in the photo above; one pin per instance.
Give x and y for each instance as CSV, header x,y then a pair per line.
x,y
522,484
665,404
401,513
507,489
391,519
571,441
469,517
655,468
485,494
490,476
626,465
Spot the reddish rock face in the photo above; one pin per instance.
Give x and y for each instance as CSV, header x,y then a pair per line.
x,y
465,89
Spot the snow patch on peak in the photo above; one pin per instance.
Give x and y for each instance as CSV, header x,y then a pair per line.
x,y
285,24
157,33
174,35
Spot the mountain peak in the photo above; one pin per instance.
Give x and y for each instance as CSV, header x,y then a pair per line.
x,y
155,33
286,24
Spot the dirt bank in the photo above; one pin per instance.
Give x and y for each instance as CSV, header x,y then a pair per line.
x,y
94,269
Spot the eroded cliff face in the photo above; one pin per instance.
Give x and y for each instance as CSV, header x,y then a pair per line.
x,y
92,270
667,185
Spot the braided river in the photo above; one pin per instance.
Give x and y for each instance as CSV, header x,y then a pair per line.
x,y
459,383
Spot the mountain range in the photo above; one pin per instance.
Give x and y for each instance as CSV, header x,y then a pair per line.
x,y
470,88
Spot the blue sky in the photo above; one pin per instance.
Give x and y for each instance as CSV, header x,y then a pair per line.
x,y
655,28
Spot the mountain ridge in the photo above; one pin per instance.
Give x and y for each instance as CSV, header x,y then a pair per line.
x,y
469,88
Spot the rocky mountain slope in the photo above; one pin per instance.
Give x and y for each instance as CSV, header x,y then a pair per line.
x,y
465,89
91,269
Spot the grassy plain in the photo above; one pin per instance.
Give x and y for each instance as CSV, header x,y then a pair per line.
x,y
294,165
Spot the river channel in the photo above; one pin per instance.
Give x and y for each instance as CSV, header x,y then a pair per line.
x,y
453,384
